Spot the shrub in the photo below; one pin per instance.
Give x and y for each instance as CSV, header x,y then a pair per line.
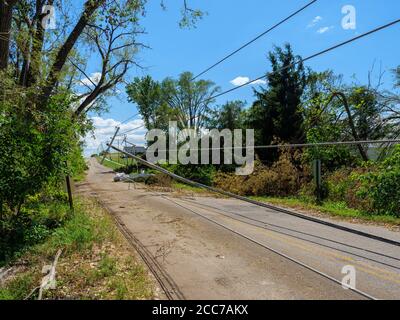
x,y
382,186
373,188
200,173
344,185
35,223
283,178
35,144
161,180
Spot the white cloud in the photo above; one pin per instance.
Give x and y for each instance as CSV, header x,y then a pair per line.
x,y
314,21
94,77
324,29
104,129
259,82
239,81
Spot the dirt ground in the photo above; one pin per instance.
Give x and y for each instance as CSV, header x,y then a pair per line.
x,y
200,260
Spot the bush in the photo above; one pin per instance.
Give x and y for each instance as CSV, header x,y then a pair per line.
x,y
283,178
36,222
382,186
373,188
161,180
200,173
344,186
35,144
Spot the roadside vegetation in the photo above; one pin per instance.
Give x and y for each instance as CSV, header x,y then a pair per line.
x,y
47,91
96,262
296,106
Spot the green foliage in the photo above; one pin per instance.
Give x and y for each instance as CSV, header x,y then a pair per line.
x,y
36,143
230,116
37,220
367,113
277,113
148,96
76,163
382,186
200,173
323,121
372,188
34,147
182,100
19,288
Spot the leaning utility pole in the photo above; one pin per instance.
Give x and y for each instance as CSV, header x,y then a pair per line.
x,y
108,148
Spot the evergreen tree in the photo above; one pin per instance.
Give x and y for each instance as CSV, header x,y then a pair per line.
x,y
277,111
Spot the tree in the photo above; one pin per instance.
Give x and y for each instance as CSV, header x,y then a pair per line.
x,y
148,96
391,106
323,120
190,99
46,60
229,116
115,41
277,112
6,9
42,113
183,100
397,75
337,112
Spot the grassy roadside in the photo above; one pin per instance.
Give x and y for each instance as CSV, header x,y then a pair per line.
x,y
328,208
116,162
109,164
332,209
96,262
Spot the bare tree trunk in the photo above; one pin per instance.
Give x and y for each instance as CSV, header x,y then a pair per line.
x,y
6,7
343,98
33,71
90,7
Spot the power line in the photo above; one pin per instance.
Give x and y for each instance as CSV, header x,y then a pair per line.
x,y
301,145
130,118
134,129
255,202
307,58
256,38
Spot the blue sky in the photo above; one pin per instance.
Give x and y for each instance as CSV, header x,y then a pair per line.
x,y
230,23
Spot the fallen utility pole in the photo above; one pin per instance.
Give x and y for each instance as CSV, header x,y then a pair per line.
x,y
108,149
257,203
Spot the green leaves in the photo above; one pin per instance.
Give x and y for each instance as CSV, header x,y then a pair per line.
x,y
277,111
382,185
34,146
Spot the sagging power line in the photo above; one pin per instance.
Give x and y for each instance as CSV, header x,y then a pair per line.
x,y
130,118
255,202
255,39
131,130
298,145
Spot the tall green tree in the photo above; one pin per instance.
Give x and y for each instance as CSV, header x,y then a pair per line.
x,y
230,115
277,112
149,98
325,120
192,100
183,100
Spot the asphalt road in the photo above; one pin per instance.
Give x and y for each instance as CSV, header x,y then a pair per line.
x,y
210,261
